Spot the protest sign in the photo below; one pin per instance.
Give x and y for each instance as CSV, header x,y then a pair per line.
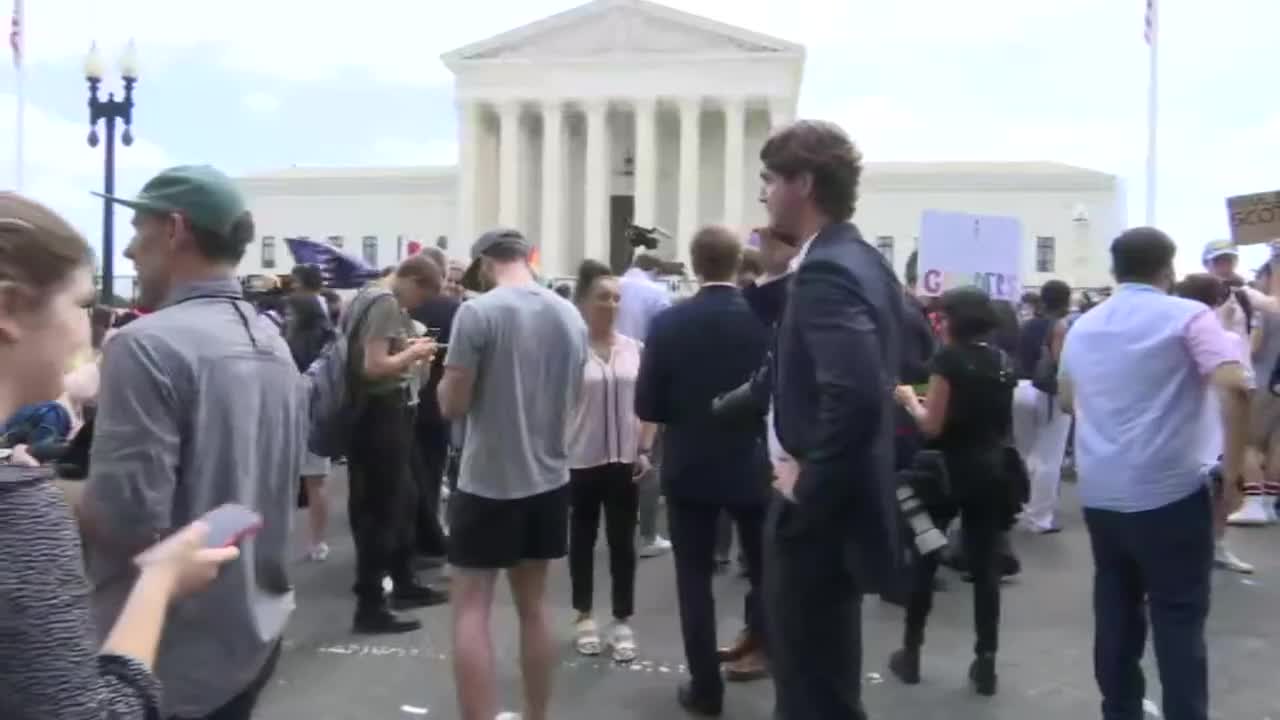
x,y
1254,218
958,249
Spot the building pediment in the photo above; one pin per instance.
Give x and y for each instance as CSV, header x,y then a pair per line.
x,y
620,29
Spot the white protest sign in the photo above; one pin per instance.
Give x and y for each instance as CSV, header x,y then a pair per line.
x,y
958,249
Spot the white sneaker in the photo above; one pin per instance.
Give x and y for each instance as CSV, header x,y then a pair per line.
x,y
659,546
1252,512
1225,559
507,716
623,641
319,552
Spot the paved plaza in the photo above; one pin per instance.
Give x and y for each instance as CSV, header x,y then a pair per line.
x,y
1045,664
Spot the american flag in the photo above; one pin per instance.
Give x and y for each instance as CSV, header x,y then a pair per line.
x,y
15,33
1150,31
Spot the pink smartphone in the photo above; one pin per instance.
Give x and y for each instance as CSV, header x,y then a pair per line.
x,y
230,524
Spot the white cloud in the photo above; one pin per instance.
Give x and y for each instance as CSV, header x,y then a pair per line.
x,y
61,169
400,41
399,151
892,64
260,102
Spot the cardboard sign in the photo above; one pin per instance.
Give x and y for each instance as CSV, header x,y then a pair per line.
x,y
958,249
1254,218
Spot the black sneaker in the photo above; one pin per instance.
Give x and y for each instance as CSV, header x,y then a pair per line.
x,y
905,665
982,674
407,597
382,622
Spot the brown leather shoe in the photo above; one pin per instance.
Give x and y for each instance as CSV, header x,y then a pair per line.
x,y
752,666
743,646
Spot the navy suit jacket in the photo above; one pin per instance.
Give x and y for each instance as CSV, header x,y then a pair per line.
x,y
696,350
835,364
768,300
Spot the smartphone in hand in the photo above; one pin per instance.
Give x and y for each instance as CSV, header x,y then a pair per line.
x,y
230,524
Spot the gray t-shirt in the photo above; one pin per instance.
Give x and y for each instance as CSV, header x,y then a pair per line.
x,y
375,313
527,347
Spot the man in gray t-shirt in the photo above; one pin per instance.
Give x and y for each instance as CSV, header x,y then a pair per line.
x,y
513,371
526,346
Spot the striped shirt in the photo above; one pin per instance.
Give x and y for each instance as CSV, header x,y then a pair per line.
x,y
50,666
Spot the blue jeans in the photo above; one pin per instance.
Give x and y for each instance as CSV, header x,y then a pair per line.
x,y
1156,562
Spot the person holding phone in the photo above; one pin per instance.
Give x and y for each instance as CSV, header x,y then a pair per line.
x,y
51,666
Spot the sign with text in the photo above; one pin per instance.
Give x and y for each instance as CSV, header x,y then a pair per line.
x,y
1254,218
958,249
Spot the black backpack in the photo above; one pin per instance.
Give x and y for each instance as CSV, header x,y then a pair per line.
x,y
1045,375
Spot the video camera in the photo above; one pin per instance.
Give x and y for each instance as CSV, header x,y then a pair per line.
x,y
647,238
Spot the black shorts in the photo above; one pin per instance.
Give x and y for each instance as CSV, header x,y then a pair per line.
x,y
489,534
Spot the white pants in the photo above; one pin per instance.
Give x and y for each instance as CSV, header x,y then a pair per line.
x,y
1040,433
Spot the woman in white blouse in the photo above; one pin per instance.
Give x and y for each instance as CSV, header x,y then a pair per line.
x,y
608,449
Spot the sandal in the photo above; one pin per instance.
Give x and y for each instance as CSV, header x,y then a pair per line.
x,y
623,642
586,637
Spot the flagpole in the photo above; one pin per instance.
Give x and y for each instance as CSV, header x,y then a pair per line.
x,y
19,40
21,127
1153,102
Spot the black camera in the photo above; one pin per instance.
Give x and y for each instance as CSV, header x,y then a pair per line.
x,y
647,238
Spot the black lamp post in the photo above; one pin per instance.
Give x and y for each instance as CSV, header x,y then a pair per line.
x,y
109,111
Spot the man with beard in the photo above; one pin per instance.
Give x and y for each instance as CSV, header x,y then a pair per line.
x,y
832,532
200,405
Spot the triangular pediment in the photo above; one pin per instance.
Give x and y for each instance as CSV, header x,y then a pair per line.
x,y
620,28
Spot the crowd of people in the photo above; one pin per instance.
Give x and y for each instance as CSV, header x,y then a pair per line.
x,y
804,402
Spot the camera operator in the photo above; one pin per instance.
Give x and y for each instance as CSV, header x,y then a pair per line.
x,y
968,415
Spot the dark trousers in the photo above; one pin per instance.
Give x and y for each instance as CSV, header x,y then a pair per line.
x,y
433,459
724,538
814,612
1159,563
981,540
383,498
693,539
241,706
613,489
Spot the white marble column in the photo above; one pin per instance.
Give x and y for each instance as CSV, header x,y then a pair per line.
x,y
690,161
782,111
735,134
509,164
468,128
646,168
596,229
552,240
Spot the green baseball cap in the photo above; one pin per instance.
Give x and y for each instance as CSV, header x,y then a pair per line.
x,y
206,196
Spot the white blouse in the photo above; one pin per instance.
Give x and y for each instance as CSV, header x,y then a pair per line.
x,y
605,428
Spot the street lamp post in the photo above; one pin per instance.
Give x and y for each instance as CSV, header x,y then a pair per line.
x,y
110,111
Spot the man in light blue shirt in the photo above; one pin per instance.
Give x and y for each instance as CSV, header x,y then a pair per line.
x,y
1137,371
643,297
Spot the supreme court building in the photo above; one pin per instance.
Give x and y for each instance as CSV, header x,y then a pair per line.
x,y
627,111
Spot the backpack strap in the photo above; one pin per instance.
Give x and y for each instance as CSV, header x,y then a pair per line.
x,y
1246,305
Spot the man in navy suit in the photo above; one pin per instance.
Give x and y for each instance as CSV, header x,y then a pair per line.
x,y
832,531
696,350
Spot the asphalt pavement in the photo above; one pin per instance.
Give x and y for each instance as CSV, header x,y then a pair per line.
x,y
1045,664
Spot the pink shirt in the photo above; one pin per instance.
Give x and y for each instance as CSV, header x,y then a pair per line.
x,y
605,428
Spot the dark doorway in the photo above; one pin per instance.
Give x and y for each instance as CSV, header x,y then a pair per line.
x,y
622,213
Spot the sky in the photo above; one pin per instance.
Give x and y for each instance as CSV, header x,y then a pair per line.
x,y
256,85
